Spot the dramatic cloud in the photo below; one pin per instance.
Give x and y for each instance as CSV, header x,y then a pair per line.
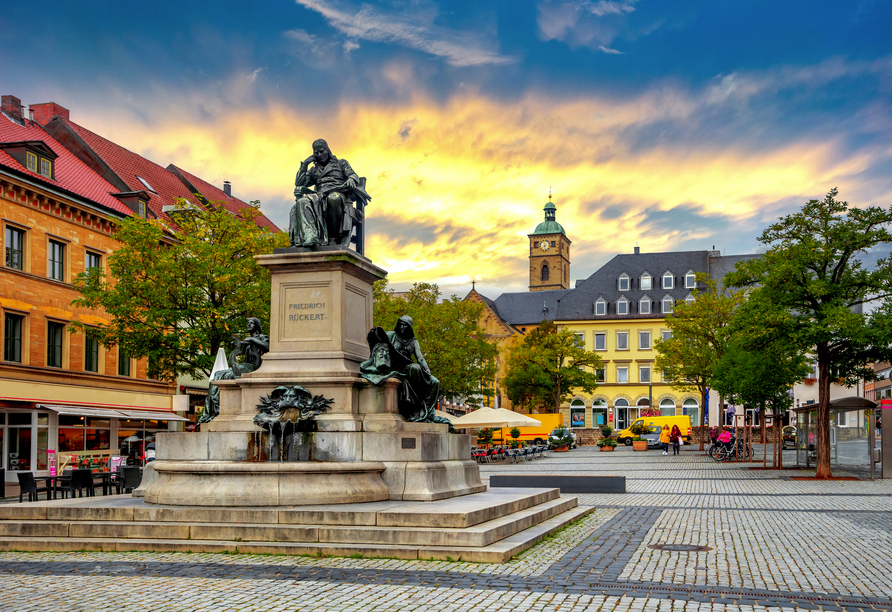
x,y
412,29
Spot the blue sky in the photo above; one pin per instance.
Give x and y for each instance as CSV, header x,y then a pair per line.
x,y
674,126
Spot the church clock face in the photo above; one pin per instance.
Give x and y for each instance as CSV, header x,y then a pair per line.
x,y
544,245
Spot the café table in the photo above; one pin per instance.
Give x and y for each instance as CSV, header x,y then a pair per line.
x,y
52,484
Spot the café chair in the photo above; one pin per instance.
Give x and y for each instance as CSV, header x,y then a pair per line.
x,y
27,484
132,478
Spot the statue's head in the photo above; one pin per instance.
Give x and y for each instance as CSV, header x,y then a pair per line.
x,y
404,327
381,357
321,152
254,325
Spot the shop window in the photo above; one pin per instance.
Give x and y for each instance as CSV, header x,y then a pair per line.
x,y
577,413
13,326
667,407
599,413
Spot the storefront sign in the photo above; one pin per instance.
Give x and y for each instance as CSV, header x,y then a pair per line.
x,y
51,461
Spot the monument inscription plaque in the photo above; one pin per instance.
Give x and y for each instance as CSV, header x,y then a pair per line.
x,y
306,312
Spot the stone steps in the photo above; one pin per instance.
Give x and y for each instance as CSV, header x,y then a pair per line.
x,y
498,552
490,526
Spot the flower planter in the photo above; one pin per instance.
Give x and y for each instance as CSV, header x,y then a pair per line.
x,y
606,449
562,449
639,446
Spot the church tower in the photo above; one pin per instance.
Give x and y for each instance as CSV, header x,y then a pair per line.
x,y
549,254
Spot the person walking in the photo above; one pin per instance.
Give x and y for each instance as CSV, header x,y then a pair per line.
x,y
675,436
665,438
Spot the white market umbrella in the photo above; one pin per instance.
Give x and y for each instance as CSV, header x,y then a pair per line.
x,y
445,415
220,363
518,420
487,417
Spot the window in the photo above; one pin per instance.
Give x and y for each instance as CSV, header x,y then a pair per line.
x,y
622,306
94,260
645,282
91,354
46,167
644,374
622,374
666,334
644,305
123,363
600,341
644,340
690,280
667,304
690,299
601,307
600,375
15,248
691,408
668,280
56,263
12,337
599,413
623,282
54,341
31,161
146,183
577,413
141,208
622,341
667,407
38,164
580,338
545,272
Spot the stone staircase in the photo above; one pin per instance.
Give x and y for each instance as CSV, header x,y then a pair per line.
x,y
485,527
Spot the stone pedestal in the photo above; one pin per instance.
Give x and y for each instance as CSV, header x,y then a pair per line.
x,y
363,449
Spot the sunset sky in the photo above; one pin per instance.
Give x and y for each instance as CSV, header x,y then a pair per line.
x,y
671,125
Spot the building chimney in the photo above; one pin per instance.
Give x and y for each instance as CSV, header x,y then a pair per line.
x,y
45,111
12,106
637,251
227,188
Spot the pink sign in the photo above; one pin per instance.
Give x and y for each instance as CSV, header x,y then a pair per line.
x,y
51,460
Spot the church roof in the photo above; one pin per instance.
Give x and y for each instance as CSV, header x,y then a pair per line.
x,y
526,308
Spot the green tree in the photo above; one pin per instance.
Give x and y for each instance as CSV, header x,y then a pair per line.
x,y
762,360
699,337
812,270
176,294
547,366
451,338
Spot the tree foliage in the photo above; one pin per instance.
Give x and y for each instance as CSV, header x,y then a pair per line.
x,y
812,271
547,366
452,341
698,341
176,294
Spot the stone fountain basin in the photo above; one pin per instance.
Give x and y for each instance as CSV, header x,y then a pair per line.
x,y
240,483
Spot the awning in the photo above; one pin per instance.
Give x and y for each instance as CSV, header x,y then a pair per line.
x,y
113,413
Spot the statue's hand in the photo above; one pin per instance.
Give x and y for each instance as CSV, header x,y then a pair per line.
x,y
350,183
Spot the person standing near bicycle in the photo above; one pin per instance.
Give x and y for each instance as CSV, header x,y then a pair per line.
x,y
675,437
665,439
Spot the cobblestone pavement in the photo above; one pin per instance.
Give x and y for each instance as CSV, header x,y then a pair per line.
x,y
774,544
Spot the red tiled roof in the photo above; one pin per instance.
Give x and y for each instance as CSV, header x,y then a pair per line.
x,y
129,165
215,194
71,174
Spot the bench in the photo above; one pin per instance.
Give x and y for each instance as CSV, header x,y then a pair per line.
x,y
567,484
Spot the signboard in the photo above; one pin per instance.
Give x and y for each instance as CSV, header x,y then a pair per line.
x,y
51,461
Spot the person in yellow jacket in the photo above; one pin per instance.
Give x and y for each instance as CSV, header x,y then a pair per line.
x,y
665,439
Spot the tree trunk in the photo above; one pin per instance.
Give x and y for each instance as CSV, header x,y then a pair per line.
x,y
822,435
702,416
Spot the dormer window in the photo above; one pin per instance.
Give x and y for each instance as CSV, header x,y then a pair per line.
x,y
668,280
623,282
137,201
36,156
141,208
690,280
667,304
645,282
622,306
600,307
644,305
690,299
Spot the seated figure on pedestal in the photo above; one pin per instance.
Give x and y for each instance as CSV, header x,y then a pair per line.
x,y
397,354
251,351
325,217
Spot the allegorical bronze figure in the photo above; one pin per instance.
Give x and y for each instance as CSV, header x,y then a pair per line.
x,y
397,354
246,356
325,216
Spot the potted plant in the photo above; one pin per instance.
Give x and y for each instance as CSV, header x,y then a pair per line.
x,y
638,443
484,437
561,439
606,444
606,431
515,434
